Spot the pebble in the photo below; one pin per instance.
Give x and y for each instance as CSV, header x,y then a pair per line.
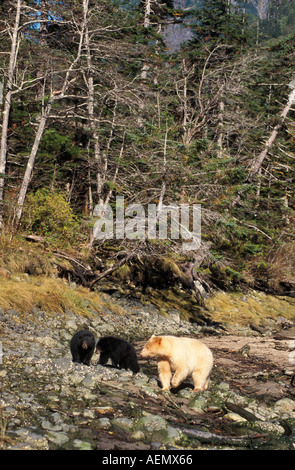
x,y
137,435
197,403
60,402
285,405
235,417
82,445
50,427
58,438
103,410
151,423
104,423
126,424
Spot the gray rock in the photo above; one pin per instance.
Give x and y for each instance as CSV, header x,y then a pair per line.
x,y
50,427
151,423
103,423
125,424
58,438
82,445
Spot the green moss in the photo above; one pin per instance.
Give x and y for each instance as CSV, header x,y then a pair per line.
x,y
255,307
123,273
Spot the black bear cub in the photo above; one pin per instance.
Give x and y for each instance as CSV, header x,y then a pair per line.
x,y
82,346
120,351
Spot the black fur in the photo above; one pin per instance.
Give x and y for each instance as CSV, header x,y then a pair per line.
x,y
82,346
120,351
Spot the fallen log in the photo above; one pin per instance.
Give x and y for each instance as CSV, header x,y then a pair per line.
x,y
212,438
35,238
241,411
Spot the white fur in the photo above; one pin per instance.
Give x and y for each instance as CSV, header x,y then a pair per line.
x,y
181,355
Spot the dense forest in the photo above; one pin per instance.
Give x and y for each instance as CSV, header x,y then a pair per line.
x,y
94,105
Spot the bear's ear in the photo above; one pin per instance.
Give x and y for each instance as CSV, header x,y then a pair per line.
x,y
159,340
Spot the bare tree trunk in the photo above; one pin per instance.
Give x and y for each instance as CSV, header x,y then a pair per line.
x,y
163,189
146,24
56,95
92,124
31,160
256,164
195,114
147,13
89,203
220,129
7,105
182,93
185,102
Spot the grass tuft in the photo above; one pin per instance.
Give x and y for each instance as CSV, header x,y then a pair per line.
x,y
48,294
256,308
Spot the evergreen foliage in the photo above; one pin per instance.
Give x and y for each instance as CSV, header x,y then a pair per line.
x,y
220,20
280,19
129,119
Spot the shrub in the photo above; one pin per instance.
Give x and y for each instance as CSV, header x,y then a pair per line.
x,y
48,213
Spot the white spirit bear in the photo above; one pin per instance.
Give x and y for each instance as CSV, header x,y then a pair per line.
x,y
183,356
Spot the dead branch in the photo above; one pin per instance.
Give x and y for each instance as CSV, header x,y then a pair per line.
x,y
257,162
80,273
113,268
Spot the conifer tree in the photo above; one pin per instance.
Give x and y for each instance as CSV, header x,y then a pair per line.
x,y
221,21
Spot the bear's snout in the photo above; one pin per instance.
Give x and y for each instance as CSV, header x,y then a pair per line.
x,y
143,353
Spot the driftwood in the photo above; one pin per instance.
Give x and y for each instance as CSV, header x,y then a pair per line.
x,y
35,238
209,437
75,275
256,328
241,411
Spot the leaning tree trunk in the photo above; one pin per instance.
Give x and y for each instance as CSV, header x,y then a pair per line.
x,y
31,161
257,162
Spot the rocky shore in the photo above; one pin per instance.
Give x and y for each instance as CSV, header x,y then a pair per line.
x,y
48,402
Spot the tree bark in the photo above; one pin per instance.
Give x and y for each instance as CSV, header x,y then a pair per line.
x,y
7,105
91,99
147,13
220,129
163,189
31,160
